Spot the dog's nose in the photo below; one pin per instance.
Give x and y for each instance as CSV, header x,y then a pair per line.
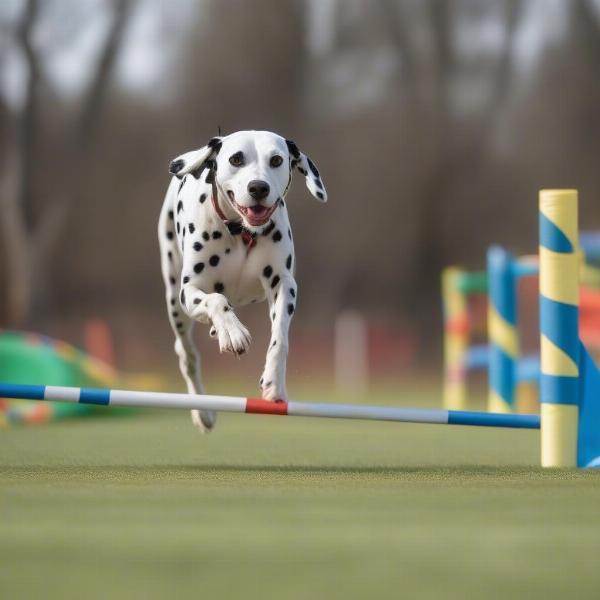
x,y
258,189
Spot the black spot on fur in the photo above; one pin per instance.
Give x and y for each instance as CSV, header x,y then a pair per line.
x,y
268,271
275,282
277,236
191,227
320,195
178,227
197,300
289,233
184,231
179,325
179,206
288,262
274,344
219,287
186,279
303,171
197,172
227,250
214,260
273,317
226,309
212,167
235,228
198,246
261,381
182,296
175,313
205,236
202,198
198,267
267,230
290,309
215,143
293,292
169,235
170,255
292,148
318,184
276,294
182,184
313,168
176,166
172,301
172,280
171,215
216,235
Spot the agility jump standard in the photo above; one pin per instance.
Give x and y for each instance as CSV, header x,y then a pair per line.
x,y
569,385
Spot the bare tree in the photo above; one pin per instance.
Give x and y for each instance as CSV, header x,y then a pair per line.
x,y
17,220
29,238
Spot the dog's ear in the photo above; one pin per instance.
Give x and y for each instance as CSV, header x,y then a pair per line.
x,y
307,167
196,161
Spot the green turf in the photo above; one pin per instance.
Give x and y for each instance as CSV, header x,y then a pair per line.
x,y
269,507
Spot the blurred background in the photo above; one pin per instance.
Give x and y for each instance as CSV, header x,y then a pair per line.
x,y
434,123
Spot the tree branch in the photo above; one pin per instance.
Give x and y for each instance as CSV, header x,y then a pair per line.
x,y
28,116
96,94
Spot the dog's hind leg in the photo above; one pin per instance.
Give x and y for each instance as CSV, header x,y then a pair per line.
x,y
189,365
182,325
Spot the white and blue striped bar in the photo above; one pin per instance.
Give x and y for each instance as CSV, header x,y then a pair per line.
x,y
104,397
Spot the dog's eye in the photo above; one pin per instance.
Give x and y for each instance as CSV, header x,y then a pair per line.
x,y
237,159
276,161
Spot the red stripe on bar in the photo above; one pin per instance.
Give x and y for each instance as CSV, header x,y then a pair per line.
x,y
266,407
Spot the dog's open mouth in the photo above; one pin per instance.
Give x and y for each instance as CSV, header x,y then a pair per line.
x,y
257,214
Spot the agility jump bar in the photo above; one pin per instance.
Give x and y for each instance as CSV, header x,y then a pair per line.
x,y
106,397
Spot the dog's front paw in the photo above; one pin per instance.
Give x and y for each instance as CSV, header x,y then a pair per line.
x,y
272,389
232,335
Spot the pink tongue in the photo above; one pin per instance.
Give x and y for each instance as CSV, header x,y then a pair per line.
x,y
257,210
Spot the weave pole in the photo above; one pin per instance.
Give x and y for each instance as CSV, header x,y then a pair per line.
x,y
559,321
502,330
456,339
235,404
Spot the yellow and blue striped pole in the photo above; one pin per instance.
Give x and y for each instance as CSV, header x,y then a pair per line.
x,y
456,340
502,330
559,323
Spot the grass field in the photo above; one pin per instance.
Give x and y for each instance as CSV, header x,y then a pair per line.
x,y
269,507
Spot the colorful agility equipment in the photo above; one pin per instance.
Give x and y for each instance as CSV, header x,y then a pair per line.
x,y
460,356
513,379
509,372
570,381
33,358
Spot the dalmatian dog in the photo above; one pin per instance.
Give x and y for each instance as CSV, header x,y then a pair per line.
x,y
225,241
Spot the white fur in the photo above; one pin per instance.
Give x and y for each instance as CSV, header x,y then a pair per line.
x,y
264,272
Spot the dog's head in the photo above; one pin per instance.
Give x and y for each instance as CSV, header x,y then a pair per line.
x,y
253,170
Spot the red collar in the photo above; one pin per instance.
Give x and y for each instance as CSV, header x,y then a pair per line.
x,y
236,227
